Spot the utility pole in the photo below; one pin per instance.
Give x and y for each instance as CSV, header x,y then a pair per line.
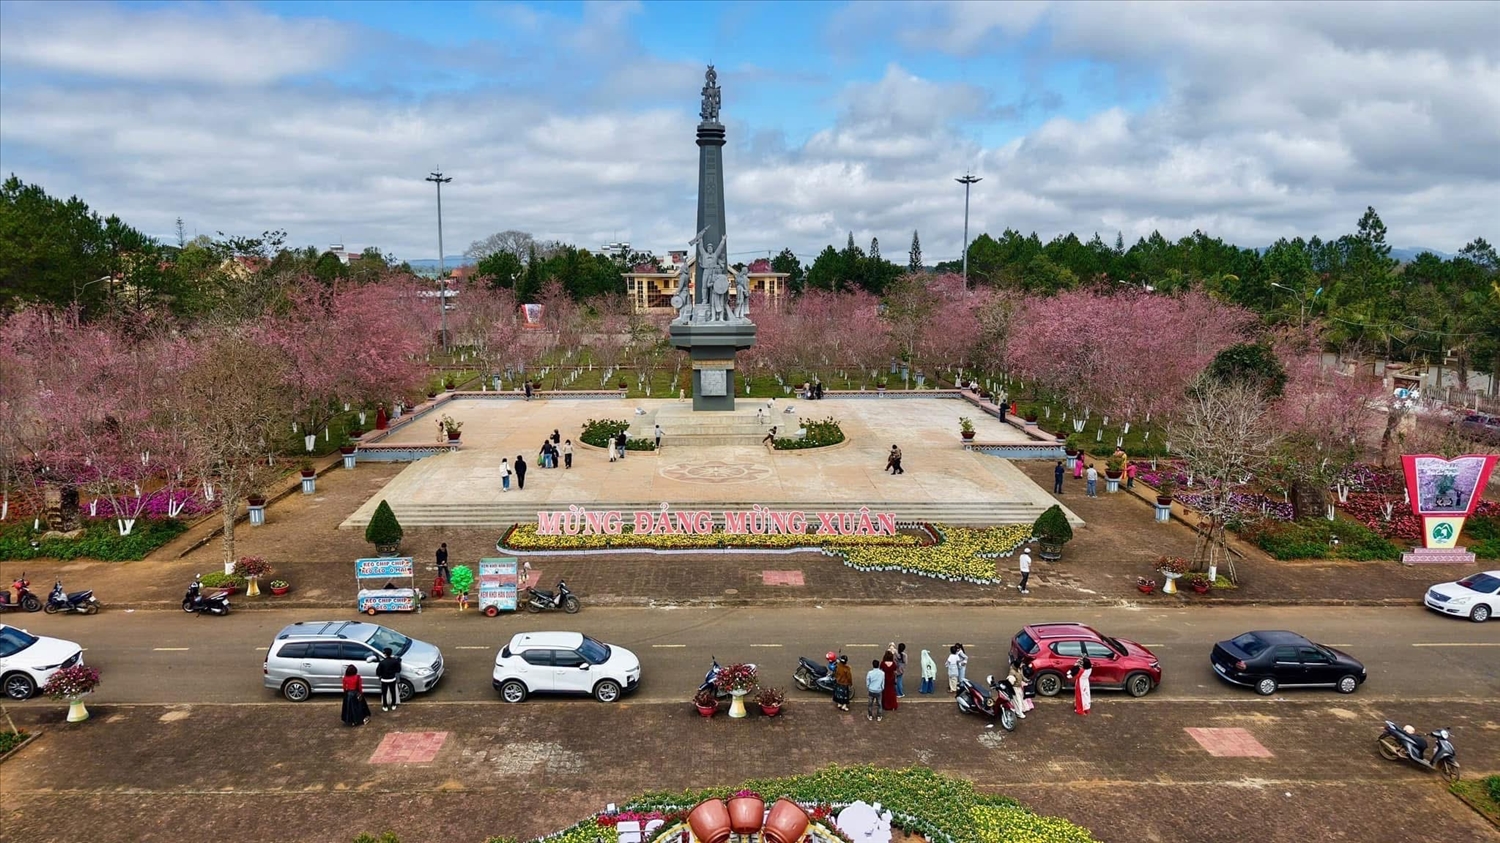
x,y
966,181
437,178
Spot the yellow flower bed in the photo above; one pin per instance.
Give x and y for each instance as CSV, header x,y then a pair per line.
x,y
999,824
962,554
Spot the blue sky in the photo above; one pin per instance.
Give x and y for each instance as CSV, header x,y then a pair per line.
x,y
574,120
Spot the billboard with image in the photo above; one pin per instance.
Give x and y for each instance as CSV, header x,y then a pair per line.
x,y
1444,492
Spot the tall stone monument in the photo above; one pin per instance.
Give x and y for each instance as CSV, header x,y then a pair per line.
x,y
707,326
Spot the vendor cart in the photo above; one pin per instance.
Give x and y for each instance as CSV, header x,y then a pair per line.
x,y
398,592
497,585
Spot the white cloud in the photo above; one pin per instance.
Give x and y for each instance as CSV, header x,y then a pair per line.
x,y
236,46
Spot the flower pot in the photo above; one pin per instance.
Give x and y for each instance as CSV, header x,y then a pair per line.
x,y
1201,588
746,813
1050,551
770,710
708,710
454,434
280,590
388,549
346,449
967,434
1114,473
77,713
1164,500
1146,587
252,587
786,822
710,822
1171,586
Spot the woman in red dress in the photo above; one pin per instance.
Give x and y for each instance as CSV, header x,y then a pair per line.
x,y
888,667
356,712
381,419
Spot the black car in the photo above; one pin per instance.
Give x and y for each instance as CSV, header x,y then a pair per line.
x,y
1269,659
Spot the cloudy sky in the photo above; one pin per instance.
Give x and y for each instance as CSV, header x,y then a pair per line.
x,y
575,121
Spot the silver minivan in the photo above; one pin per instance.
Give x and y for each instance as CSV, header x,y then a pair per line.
x,y
309,657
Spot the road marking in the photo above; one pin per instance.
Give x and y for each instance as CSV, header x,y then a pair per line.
x,y
765,645
471,648
1473,644
168,649
668,646
860,646
261,649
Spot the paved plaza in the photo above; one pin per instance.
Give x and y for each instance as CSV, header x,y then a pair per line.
x,y
942,481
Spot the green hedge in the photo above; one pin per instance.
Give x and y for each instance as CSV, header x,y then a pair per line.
x,y
820,434
219,579
100,540
10,740
1310,539
597,432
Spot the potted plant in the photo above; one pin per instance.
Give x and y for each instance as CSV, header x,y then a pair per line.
x,y
622,385
1031,415
966,427
347,449
1114,466
880,386
384,531
431,394
252,568
1073,446
706,702
452,427
1053,531
73,684
710,821
1199,582
770,701
280,587
1144,585
1171,567
306,467
786,822
449,385
356,431
739,680
747,810
1165,490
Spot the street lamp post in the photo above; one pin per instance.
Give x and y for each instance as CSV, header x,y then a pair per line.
x,y
966,181
1301,299
437,178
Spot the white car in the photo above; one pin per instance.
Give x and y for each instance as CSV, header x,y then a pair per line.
x,y
27,661
1476,596
564,663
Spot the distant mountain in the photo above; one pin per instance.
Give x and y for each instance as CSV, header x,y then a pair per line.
x,y
1409,254
432,263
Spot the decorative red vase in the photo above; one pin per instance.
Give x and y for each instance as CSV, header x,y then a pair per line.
x,y
746,813
453,435
280,591
786,822
770,710
710,822
1201,589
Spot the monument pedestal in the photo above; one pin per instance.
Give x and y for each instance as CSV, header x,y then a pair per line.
x,y
711,347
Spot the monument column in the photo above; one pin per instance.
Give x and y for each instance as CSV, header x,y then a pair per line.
x,y
706,327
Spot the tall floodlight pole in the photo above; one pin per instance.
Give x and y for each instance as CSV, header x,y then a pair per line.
x,y
966,181
437,178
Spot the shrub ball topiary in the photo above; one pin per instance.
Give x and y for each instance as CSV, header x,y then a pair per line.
x,y
1052,526
384,530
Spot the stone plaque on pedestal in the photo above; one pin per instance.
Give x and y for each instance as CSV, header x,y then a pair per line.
x,y
713,383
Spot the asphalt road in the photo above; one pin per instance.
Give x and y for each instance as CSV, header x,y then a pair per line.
x,y
170,657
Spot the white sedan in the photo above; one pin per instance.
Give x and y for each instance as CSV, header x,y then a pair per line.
x,y
27,661
1476,597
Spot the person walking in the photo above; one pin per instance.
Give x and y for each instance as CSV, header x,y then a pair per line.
x,y
528,390
770,440
504,475
952,665
929,673
1078,467
520,473
567,448
760,415
1081,673
875,687
621,442
658,437
901,670
1130,471
890,460
1057,478
1093,482
1025,563
442,563
356,712
897,456
389,670
843,684
888,667
556,437
611,449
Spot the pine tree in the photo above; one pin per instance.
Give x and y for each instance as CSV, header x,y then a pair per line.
x,y
914,262
875,249
383,529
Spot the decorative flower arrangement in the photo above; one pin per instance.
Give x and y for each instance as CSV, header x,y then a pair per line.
x,y
771,698
744,793
706,699
451,425
524,537
252,566
1171,565
70,683
736,677
279,584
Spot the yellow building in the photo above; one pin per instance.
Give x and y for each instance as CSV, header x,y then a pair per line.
x,y
651,292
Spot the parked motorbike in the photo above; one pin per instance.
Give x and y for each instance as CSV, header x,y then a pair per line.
x,y
540,599
813,676
25,599
195,601
1396,743
995,704
713,673
82,602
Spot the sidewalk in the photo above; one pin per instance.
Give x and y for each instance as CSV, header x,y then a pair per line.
x,y
1129,771
301,538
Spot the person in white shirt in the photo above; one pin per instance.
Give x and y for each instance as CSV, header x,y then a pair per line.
x,y
505,475
874,686
1025,570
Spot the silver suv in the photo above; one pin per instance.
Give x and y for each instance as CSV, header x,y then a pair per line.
x,y
309,657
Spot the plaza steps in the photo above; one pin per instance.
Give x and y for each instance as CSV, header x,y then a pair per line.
x,y
681,427
502,514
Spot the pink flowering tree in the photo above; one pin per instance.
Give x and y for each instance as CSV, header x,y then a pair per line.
x,y
487,322
1328,415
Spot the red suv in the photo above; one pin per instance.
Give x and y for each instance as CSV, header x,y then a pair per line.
x,y
1052,648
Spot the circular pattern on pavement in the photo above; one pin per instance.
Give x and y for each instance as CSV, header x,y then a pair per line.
x,y
716,472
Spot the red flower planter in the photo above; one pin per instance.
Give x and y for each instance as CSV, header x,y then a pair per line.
x,y
1201,589
770,710
746,813
280,591
1146,586
710,822
786,822
453,435
707,710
